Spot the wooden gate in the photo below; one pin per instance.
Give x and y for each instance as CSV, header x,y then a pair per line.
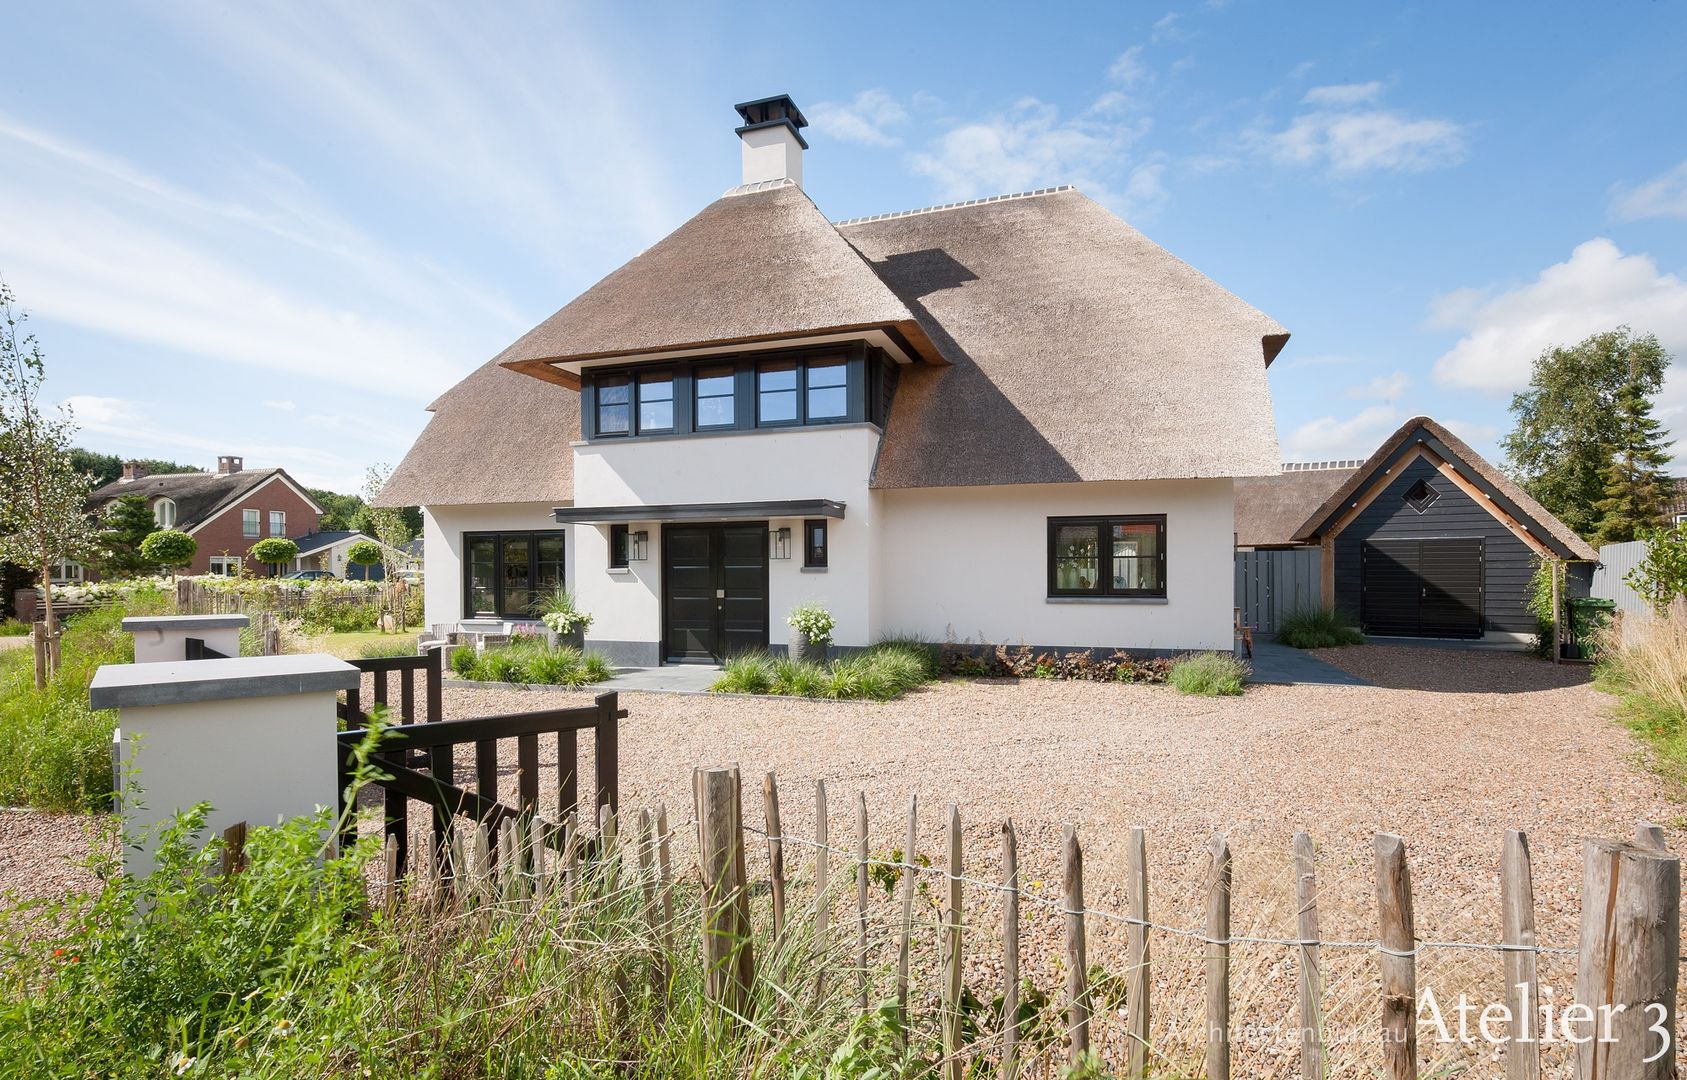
x,y
1272,582
419,761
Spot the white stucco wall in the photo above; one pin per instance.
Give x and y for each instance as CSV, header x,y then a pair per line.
x,y
442,546
811,463
973,563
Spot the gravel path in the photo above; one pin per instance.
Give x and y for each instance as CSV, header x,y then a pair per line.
x,y
1448,749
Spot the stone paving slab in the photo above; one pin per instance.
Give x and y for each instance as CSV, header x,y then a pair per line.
x,y
1279,664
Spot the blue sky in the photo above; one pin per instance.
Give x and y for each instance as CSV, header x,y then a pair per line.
x,y
281,230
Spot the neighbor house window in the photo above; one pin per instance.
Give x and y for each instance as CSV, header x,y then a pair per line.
x,y
506,574
1108,556
249,523
717,390
278,523
225,565
67,571
164,513
619,541
614,405
814,543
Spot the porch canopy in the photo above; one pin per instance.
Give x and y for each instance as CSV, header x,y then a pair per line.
x,y
741,511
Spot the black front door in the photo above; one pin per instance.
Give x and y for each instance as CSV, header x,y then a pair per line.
x,y
1422,588
714,590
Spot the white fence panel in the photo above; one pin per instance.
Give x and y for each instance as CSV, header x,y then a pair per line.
x,y
1615,561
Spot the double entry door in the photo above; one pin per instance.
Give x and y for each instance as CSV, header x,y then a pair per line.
x,y
714,592
1423,588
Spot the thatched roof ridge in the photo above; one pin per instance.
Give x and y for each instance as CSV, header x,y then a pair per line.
x,y
1271,509
1536,516
1081,350
197,495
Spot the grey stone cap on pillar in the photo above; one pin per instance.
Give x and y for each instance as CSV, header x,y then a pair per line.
x,y
178,682
185,622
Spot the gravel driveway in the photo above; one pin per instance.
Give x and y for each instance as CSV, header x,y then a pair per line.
x,y
1448,749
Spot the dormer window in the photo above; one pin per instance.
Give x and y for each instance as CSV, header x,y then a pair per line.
x,y
164,513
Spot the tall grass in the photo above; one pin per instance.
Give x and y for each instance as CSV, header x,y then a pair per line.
x,y
881,672
1317,628
1643,660
58,749
527,663
1209,674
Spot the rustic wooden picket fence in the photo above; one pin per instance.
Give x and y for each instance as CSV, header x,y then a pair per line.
x,y
1627,959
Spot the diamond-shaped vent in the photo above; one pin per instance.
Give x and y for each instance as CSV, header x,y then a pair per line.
x,y
1421,496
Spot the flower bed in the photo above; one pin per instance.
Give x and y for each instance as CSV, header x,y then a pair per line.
x,y
531,662
1023,662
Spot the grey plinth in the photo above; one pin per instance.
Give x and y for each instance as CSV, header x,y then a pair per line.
x,y
162,638
252,736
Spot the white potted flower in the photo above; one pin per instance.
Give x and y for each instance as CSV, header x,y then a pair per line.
x,y
811,632
567,624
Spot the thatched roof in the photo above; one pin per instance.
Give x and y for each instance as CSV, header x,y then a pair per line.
x,y
497,436
1271,509
758,264
1473,466
197,495
1081,350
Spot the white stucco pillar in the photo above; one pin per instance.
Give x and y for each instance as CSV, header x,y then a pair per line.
x,y
164,637
252,736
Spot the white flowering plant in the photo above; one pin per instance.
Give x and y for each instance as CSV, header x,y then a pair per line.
x,y
559,614
813,622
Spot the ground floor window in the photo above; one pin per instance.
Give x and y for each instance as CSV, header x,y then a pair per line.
x,y
1108,556
68,572
506,574
814,544
225,565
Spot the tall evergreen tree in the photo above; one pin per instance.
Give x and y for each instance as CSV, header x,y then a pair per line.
x,y
1570,421
1635,481
128,521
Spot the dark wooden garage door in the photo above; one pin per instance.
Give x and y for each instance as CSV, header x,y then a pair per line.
x,y
1422,588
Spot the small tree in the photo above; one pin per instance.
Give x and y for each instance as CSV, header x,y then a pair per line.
x,y
128,522
365,553
388,525
275,553
42,494
1635,478
1661,575
169,548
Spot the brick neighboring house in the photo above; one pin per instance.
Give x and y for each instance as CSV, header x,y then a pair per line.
x,y
226,511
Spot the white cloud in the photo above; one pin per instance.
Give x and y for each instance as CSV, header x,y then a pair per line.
x,y
1660,197
1301,70
1357,436
1389,388
91,410
1343,94
863,120
1295,360
1595,289
1472,432
1166,28
1347,133
279,406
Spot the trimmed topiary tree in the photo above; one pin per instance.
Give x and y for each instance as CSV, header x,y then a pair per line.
x,y
169,548
275,553
365,553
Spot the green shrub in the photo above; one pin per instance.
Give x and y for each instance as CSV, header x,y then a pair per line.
x,y
531,662
913,648
58,749
397,645
746,673
1317,628
1209,674
880,673
462,661
8,628
1023,662
275,552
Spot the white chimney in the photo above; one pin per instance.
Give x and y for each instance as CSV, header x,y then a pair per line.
x,y
772,145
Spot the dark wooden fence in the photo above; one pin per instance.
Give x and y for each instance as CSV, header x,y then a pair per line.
x,y
430,665
419,762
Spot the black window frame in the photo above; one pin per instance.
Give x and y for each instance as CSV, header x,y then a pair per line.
x,y
814,558
498,538
620,547
1103,525
869,381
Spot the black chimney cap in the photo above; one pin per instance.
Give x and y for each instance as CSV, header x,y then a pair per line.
x,y
770,111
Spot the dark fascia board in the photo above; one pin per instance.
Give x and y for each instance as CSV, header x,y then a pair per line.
x,y
744,106
1445,453
746,511
783,120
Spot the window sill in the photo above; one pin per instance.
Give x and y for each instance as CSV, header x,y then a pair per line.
x,y
1149,600
621,570
812,569
723,432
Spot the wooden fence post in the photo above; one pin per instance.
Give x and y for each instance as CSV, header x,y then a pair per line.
x,y
822,883
1077,966
1136,874
905,946
1397,948
1010,952
38,638
1628,966
665,874
954,1065
606,755
1311,970
775,851
234,848
861,881
1218,961
727,957
1648,835
1517,927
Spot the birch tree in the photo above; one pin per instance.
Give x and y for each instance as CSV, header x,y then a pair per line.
x,y
387,523
43,496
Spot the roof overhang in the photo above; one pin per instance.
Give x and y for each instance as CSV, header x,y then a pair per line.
x,y
744,511
905,342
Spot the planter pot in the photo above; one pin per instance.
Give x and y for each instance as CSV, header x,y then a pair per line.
x,y
801,648
575,639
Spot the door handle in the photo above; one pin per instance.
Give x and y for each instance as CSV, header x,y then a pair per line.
x,y
720,594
